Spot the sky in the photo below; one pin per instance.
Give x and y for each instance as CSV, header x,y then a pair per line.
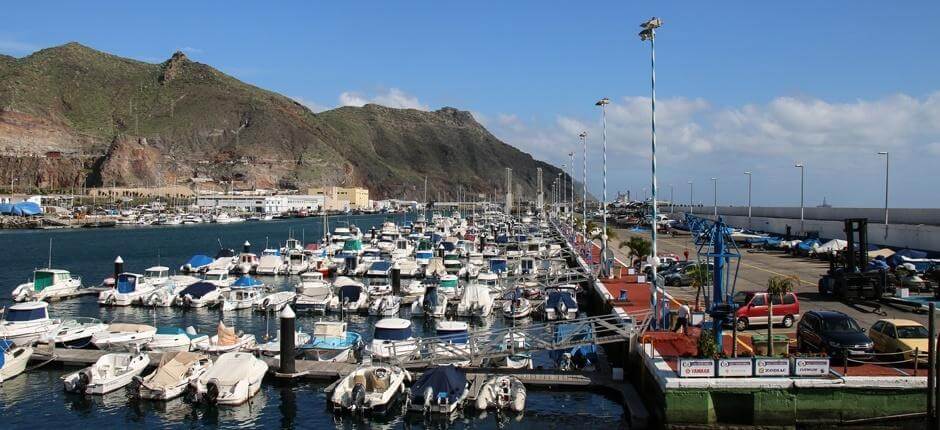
x,y
740,86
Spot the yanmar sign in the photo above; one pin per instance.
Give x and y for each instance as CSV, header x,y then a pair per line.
x,y
696,368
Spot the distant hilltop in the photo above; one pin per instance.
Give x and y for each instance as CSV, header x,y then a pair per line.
x,y
71,116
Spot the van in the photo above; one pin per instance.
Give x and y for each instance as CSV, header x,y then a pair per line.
x,y
753,309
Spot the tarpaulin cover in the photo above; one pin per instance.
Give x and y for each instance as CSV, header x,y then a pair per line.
x,y
126,283
350,292
383,333
20,209
173,367
247,281
906,252
20,315
557,297
198,290
446,382
380,266
498,265
199,260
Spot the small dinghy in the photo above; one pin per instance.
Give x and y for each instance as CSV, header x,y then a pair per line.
x,y
226,340
109,373
123,336
273,347
234,378
74,333
174,374
439,390
370,389
385,306
331,342
275,302
13,359
173,339
504,392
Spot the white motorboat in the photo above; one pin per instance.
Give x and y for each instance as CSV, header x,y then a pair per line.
x,y
475,302
173,375
129,288
430,304
274,302
164,295
434,268
561,305
393,338
403,248
74,333
453,265
450,287
502,392
109,373
453,344
313,293
378,286
439,390
224,218
123,336
241,298
415,287
271,263
517,307
385,306
226,340
297,263
351,296
234,378
13,359
196,264
175,339
408,267
199,295
47,284
218,277
224,261
370,389
24,323
516,343
331,342
272,347
247,262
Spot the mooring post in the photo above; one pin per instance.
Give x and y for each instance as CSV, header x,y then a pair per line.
x,y
287,341
246,247
396,279
118,268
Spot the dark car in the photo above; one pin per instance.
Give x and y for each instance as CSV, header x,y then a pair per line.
x,y
833,333
682,276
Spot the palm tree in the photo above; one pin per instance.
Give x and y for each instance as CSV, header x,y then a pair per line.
x,y
701,276
777,286
639,248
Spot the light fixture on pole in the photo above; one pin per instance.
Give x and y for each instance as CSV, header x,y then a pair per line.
x,y
571,181
802,168
583,137
887,169
649,33
672,198
603,104
691,209
715,182
748,198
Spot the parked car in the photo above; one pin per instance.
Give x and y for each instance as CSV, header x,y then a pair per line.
x,y
682,276
902,337
752,309
833,333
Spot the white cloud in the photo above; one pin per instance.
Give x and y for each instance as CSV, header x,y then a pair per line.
x,y
393,98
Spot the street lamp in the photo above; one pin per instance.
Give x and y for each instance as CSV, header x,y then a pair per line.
x,y
649,33
672,198
691,209
571,180
802,168
603,104
887,167
562,192
583,135
748,198
715,181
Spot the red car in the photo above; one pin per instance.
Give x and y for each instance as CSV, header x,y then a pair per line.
x,y
753,309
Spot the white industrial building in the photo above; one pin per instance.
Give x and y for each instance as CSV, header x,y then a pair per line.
x,y
260,204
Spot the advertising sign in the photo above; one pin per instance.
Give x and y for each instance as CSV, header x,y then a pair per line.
x,y
696,368
811,366
771,367
735,367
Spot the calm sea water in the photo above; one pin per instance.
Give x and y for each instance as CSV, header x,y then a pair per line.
x,y
36,399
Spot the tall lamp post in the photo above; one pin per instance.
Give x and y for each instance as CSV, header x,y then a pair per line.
x,y
887,169
715,182
802,168
603,104
583,135
691,209
571,180
748,198
672,198
649,33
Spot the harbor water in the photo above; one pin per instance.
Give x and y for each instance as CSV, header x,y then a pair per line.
x,y
36,399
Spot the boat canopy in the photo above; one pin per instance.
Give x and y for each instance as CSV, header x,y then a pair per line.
x,y
352,245
380,266
198,290
350,292
393,329
199,260
449,281
246,281
48,277
424,254
20,209
32,312
453,336
446,382
498,265
126,283
897,259
557,297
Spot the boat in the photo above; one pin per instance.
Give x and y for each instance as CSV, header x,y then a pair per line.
x,y
297,263
392,338
13,359
111,372
239,297
129,288
351,296
331,342
453,347
416,287
234,378
224,218
475,302
173,339
48,284
25,323
370,389
453,265
490,280
74,333
516,360
173,375
431,303
165,295
435,268
408,267
197,264
123,336
224,260
274,302
385,305
561,305
272,347
439,390
502,392
225,340
450,286
313,293
403,248
516,306
424,252
199,295
218,277
271,262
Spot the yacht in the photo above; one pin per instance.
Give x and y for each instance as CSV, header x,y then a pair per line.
x,y
453,265
224,260
74,333
129,288
164,295
450,286
109,373
234,378
48,284
371,389
25,323
297,263
393,338
424,252
313,293
272,347
331,342
403,248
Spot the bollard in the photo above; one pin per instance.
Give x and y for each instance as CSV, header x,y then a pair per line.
x,y
396,279
246,247
287,340
118,268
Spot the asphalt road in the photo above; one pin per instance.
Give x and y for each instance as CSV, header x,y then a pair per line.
x,y
756,267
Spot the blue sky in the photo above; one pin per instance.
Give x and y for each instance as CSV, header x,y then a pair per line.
x,y
741,85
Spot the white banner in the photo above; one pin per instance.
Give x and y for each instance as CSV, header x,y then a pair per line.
x,y
696,368
811,366
771,367
735,367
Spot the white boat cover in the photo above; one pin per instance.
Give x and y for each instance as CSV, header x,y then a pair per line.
x,y
129,328
172,368
833,245
230,368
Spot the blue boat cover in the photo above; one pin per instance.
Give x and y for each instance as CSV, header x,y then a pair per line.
x,y
170,330
20,209
392,333
807,244
5,345
126,283
246,281
198,290
448,246
906,252
351,339
556,297
20,315
446,382
879,263
199,260
350,292
380,266
498,265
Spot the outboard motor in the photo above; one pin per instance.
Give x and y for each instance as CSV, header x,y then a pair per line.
x,y
358,397
212,391
562,309
428,397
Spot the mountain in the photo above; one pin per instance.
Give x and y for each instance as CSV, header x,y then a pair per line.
x,y
72,116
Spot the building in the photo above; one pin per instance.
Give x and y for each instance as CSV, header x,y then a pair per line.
x,y
260,204
358,198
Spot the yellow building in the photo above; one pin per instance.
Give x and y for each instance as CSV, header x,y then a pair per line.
x,y
358,198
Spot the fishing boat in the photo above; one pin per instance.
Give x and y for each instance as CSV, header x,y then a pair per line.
x,y
199,295
351,296
13,359
174,339
385,305
475,302
47,284
173,375
129,288
74,333
25,323
109,373
331,342
502,393
123,336
370,389
234,378
274,302
313,293
393,338
439,390
225,340
272,347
